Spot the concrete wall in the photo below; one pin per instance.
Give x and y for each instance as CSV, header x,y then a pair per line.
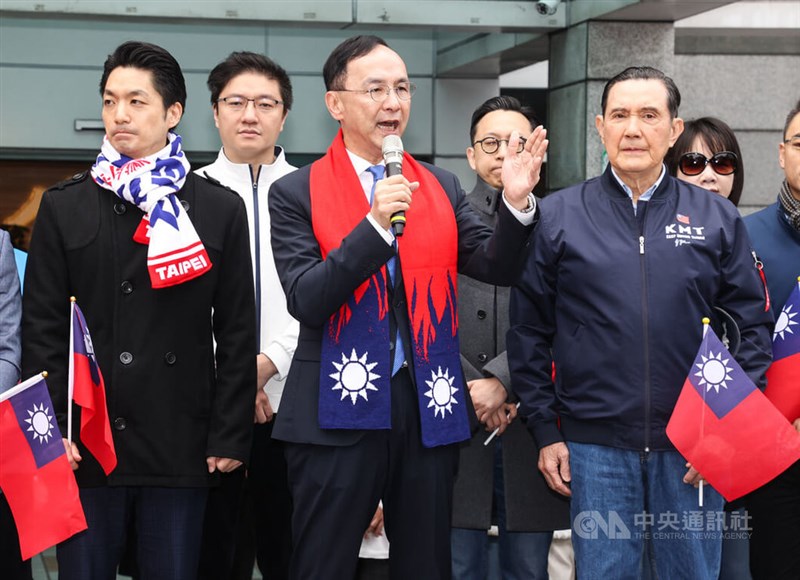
x,y
752,94
50,70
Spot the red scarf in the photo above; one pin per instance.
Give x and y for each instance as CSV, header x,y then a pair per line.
x,y
355,371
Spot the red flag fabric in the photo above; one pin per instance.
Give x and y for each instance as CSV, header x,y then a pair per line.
x,y
783,376
89,392
726,428
35,474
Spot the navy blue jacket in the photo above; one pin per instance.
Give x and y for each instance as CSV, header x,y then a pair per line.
x,y
619,298
777,244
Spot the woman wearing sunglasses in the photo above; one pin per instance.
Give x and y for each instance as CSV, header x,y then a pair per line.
x,y
707,155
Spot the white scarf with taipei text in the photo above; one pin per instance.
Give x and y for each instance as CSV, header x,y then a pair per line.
x,y
175,253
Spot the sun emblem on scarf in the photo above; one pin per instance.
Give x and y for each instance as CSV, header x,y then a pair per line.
x,y
713,372
353,377
39,421
441,392
785,322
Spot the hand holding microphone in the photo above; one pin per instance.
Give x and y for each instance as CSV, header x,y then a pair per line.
x,y
393,192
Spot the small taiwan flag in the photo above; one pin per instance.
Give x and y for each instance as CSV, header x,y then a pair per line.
x,y
722,422
684,219
35,474
88,390
783,376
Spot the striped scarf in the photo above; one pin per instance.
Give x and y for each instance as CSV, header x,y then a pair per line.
x,y
175,253
790,205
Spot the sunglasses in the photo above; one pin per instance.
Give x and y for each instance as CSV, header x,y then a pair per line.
x,y
723,163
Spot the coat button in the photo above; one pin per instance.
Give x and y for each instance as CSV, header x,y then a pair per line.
x,y
482,357
126,287
185,205
120,424
119,208
481,314
170,358
126,358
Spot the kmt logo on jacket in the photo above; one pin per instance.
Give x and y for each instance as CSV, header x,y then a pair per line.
x,y
683,232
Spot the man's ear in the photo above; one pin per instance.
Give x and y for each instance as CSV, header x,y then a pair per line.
x,y
677,129
471,158
600,126
174,114
335,106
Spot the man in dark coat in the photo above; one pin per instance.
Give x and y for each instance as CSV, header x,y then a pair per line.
x,y
375,399
158,259
775,231
497,483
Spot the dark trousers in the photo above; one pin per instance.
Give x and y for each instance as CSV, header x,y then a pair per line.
x,y
267,487
221,527
248,518
168,527
12,567
336,491
775,512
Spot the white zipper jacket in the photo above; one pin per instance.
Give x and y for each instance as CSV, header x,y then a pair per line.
x,y
277,329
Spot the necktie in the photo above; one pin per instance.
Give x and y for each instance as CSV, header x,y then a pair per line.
x,y
377,172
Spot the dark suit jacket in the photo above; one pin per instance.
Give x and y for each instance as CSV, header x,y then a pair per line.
x,y
315,289
531,506
171,401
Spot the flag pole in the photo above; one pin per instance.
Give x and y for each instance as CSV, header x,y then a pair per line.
x,y
706,322
24,385
71,362
494,433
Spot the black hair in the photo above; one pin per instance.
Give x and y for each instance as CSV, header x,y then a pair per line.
x,y
167,76
645,73
718,137
249,62
335,69
500,103
790,117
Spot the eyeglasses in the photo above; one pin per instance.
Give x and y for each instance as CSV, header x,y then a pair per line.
x,y
793,142
492,144
723,163
237,104
382,92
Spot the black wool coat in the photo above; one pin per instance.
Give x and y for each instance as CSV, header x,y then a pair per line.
x,y
174,396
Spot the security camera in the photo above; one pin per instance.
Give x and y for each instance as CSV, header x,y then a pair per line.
x,y
547,7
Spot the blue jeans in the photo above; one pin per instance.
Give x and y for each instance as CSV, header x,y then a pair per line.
x,y
168,523
622,497
522,555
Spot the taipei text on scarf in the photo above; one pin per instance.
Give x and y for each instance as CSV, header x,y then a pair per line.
x,y
355,371
175,253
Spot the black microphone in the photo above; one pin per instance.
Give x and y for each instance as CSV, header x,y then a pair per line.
x,y
393,157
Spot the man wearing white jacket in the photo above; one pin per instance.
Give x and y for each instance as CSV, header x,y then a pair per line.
x,y
251,97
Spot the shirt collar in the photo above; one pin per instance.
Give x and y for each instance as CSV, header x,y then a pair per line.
x,y
647,194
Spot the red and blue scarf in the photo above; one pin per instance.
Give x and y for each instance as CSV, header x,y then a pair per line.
x,y
175,253
355,371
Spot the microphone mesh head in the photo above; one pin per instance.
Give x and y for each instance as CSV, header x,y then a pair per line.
x,y
392,149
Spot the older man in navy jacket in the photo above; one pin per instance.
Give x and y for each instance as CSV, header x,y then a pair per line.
x,y
616,297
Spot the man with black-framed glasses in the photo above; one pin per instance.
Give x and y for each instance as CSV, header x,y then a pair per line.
x,y
775,231
251,96
496,482
375,402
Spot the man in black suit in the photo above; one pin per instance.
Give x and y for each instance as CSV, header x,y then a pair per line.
x,y
375,398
